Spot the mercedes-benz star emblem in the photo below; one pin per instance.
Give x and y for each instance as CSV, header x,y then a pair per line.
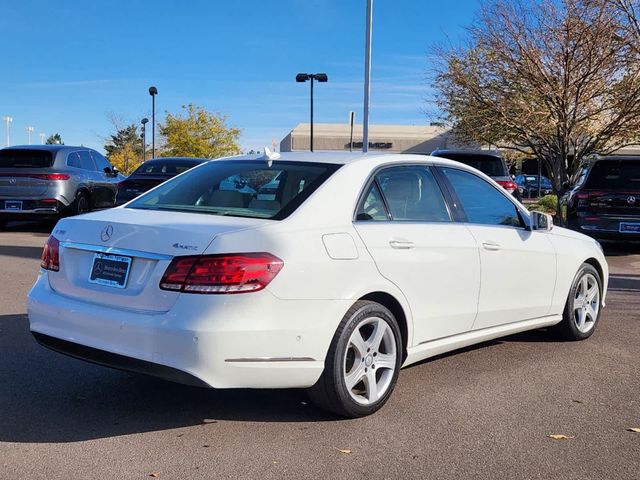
x,y
631,200
12,181
106,233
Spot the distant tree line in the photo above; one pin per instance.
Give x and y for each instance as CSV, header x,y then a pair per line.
x,y
195,132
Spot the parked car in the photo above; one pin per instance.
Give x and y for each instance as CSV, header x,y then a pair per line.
x,y
360,265
605,200
488,162
528,185
52,180
152,173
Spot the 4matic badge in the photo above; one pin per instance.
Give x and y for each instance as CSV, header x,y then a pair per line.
x,y
185,247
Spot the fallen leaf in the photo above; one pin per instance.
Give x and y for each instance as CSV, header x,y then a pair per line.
x,y
205,446
559,437
633,429
577,401
275,463
154,474
344,450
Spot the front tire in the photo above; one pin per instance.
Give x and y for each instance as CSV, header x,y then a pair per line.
x,y
582,310
363,362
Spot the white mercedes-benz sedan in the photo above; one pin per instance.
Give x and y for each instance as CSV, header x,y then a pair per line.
x,y
321,271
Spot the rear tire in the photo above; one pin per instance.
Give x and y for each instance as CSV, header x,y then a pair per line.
x,y
582,311
80,205
363,362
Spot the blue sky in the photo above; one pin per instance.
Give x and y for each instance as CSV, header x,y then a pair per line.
x,y
66,66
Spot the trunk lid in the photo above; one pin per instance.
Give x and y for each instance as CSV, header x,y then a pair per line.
x,y
150,238
20,184
610,203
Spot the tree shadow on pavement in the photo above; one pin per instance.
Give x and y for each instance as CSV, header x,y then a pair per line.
x,y
20,251
46,397
40,228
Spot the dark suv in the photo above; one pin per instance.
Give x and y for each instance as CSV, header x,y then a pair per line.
x,y
605,200
51,180
488,162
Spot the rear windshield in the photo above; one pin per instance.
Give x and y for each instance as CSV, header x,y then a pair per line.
x,y
20,158
164,168
615,175
487,164
239,188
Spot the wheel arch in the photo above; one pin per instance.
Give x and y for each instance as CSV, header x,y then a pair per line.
x,y
389,301
596,264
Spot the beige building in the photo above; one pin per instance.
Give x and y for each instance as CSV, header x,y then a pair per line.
x,y
383,138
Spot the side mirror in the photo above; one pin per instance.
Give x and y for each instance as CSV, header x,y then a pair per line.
x,y
541,221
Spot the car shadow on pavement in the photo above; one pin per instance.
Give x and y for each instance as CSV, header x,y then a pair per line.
x,y
46,397
20,251
40,228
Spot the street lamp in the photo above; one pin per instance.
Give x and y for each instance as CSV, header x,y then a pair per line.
x,y
153,91
303,77
29,132
144,122
8,121
42,137
367,77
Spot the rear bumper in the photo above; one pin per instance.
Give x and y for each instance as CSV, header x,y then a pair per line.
x,y
605,227
236,341
31,207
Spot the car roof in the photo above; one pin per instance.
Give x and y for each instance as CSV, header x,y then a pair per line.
x,y
48,148
345,158
467,153
176,160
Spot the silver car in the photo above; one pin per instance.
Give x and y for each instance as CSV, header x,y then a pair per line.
x,y
53,180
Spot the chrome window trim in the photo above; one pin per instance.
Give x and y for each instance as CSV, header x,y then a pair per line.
x,y
115,251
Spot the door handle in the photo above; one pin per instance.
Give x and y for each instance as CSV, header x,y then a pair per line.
x,y
492,246
401,244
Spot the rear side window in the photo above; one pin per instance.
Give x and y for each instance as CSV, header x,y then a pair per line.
x,y
73,160
232,188
615,175
482,202
22,158
411,193
86,162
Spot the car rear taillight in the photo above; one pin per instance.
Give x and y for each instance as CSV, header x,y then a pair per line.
x,y
226,273
40,176
507,185
50,259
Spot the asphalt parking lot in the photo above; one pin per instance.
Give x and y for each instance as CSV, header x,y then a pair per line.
x,y
484,412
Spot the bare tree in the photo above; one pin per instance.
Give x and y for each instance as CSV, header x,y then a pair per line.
x,y
557,79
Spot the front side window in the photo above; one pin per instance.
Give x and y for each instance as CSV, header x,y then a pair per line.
x,y
482,202
411,193
164,168
233,188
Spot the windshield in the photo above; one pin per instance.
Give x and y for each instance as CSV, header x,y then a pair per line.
x,y
240,188
19,158
487,164
164,168
615,175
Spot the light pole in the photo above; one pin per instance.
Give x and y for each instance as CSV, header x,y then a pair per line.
x,y
8,121
29,132
367,78
352,120
144,122
42,137
153,91
303,77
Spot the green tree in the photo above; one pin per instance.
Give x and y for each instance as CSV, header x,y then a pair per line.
x,y
198,133
124,149
557,79
54,139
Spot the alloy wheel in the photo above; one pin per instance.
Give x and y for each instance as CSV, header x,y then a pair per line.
x,y
586,303
370,360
